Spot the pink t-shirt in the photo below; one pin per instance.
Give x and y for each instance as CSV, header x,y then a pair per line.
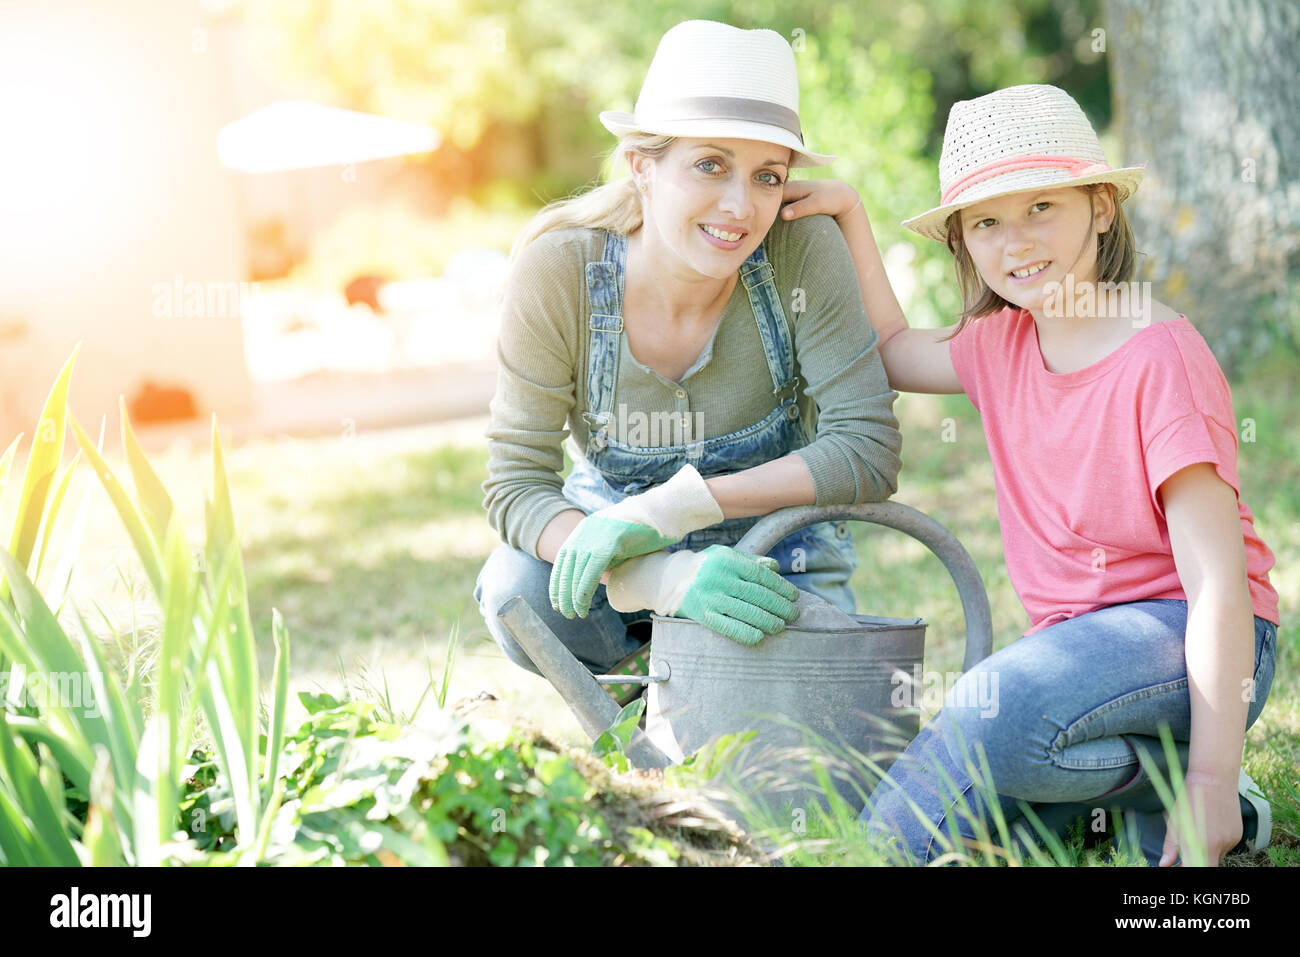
x,y
1078,456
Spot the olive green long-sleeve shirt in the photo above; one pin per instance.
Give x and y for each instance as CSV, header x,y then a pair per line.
x,y
542,376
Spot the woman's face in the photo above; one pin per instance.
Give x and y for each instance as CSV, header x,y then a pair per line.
x,y
710,202
1023,241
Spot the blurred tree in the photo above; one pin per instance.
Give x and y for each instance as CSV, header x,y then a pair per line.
x,y
1206,92
515,86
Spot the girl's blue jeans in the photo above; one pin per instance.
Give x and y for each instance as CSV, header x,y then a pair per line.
x,y
1050,732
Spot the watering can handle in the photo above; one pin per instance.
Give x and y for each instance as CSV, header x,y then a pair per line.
x,y
770,529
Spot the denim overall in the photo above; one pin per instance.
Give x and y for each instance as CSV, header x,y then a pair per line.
x,y
819,558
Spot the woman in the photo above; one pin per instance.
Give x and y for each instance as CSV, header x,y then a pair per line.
x,y
690,342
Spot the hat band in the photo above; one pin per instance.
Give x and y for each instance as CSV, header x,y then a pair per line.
x,y
723,108
1073,165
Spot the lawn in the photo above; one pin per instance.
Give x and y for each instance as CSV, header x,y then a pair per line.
x,y
369,544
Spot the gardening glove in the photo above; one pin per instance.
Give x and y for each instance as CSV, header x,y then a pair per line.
x,y
738,595
638,525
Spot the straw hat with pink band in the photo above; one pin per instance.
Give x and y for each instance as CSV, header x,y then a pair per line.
x,y
1017,140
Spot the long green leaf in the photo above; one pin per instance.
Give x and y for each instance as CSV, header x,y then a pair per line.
x,y
61,579
209,625
211,632
120,718
51,514
275,731
18,846
173,667
46,647
19,769
144,544
101,839
40,645
155,504
42,463
237,652
258,851
240,775
146,825
222,533
51,780
72,758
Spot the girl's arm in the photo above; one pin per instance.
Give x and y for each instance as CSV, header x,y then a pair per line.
x,y
1209,552
916,360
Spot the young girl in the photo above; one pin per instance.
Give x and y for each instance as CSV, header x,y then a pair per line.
x,y
1113,441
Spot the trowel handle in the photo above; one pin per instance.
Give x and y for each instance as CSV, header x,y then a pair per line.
x,y
770,529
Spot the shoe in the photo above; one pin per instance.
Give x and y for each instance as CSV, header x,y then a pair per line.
x,y
1141,810
1256,817
1145,825
1057,819
1137,801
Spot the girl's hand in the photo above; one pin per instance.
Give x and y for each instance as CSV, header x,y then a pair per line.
x,y
1215,810
807,197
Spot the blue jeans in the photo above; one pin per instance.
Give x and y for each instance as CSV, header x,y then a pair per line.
x,y
1050,733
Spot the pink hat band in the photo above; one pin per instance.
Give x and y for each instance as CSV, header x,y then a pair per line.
x,y
1072,165
1017,140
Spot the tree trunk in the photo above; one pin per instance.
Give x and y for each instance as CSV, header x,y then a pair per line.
x,y
1205,93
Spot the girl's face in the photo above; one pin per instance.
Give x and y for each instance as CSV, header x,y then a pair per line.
x,y
1023,241
710,202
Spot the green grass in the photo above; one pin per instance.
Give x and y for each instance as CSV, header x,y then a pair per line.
x,y
370,544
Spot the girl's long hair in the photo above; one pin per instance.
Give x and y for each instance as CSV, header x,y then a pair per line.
x,y
1116,261
615,206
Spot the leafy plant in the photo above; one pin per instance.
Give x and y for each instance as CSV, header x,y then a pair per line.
x,y
129,766
611,744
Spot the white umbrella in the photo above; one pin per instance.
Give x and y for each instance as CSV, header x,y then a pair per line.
x,y
299,134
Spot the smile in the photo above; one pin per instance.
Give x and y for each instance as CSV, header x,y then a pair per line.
x,y
722,235
1030,270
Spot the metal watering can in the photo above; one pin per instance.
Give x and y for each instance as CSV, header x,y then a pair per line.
x,y
830,673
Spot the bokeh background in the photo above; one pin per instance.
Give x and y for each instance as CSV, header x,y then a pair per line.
x,y
295,215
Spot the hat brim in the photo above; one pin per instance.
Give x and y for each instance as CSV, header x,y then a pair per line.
x,y
934,224
620,124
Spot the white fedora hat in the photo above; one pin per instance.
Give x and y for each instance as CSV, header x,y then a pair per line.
x,y
712,79
1017,140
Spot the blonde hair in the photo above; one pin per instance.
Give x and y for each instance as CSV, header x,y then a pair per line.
x,y
1116,260
615,206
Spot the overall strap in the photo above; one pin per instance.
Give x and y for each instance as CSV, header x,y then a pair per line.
x,y
760,282
605,293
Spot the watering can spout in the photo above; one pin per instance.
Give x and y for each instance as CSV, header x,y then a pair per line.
x,y
594,709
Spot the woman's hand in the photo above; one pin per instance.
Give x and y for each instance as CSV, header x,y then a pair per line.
x,y
740,596
638,525
807,197
1212,805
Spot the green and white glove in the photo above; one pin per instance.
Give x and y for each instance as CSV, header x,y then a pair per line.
x,y
638,525
738,595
